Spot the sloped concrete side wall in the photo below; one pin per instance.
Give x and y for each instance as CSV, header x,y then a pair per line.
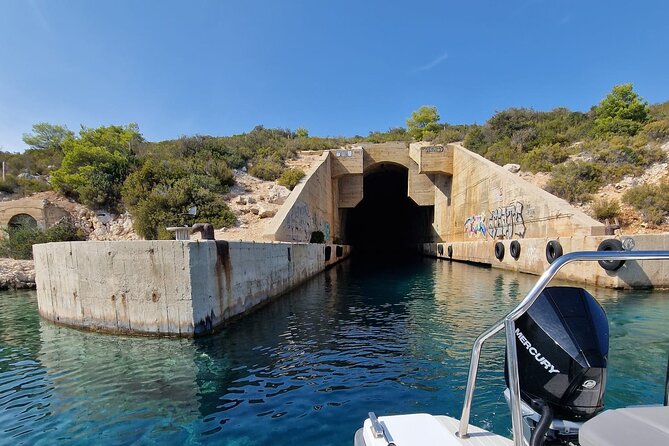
x,y
309,208
168,287
532,259
485,201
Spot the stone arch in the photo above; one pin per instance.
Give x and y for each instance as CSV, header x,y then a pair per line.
x,y
22,220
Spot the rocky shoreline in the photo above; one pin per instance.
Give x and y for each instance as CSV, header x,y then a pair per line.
x,y
17,274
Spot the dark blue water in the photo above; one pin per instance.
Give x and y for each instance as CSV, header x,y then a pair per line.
x,y
304,369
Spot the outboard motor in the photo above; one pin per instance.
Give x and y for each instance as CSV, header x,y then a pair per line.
x,y
562,345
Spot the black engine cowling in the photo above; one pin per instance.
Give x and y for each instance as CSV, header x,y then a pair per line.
x,y
562,344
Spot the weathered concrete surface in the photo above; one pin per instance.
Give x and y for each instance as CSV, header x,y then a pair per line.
x,y
532,259
485,201
168,287
309,208
473,198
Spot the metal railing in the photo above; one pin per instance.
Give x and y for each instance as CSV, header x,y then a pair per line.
x,y
508,323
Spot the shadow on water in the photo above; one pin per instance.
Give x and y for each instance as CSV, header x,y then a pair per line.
x,y
391,336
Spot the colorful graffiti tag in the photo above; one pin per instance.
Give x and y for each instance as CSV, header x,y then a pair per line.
x,y
507,221
476,225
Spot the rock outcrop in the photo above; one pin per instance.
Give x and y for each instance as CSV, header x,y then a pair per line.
x,y
15,274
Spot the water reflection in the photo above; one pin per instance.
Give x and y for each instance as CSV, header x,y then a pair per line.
x,y
390,337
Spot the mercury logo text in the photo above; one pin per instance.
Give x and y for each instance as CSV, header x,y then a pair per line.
x,y
535,353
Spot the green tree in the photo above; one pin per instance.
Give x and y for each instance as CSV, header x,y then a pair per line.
x,y
96,164
423,121
301,132
160,191
47,136
621,112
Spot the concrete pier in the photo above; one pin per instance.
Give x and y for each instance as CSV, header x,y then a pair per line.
x,y
184,288
532,259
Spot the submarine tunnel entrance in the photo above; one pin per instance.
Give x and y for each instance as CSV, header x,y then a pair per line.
x,y
386,220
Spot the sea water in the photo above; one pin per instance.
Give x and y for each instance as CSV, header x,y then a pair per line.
x,y
303,370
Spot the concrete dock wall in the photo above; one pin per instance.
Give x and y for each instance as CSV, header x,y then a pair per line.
x,y
185,288
532,259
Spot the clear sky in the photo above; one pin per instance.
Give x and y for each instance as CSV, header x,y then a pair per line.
x,y
335,67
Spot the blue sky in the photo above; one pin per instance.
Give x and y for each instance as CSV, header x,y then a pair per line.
x,y
337,68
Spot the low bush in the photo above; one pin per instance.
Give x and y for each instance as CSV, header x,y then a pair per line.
x,y
290,178
605,208
656,131
159,193
267,170
9,185
652,201
18,242
575,180
543,158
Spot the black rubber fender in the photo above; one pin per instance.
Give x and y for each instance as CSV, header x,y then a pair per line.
x,y
440,249
553,250
499,250
612,244
514,249
450,251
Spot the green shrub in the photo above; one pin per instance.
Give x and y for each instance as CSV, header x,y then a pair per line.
x,y
503,152
657,131
543,158
605,208
159,193
266,170
475,140
9,185
290,177
652,201
575,180
450,133
18,242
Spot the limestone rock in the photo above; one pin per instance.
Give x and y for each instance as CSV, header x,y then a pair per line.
x,y
266,212
513,168
278,194
17,274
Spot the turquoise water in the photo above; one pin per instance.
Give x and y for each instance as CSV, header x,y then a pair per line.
x,y
304,369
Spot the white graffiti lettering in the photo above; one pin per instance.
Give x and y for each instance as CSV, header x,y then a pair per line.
x,y
507,221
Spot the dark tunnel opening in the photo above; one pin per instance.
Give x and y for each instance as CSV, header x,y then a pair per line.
x,y
387,220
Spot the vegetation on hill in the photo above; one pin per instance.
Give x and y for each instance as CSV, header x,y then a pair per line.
x,y
619,136
114,168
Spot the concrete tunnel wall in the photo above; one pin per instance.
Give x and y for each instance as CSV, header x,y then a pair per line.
x,y
309,207
472,198
485,201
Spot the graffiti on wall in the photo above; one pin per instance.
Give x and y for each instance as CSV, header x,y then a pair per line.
x,y
476,225
505,221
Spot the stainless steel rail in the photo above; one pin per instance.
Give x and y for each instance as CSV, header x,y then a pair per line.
x,y
508,324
